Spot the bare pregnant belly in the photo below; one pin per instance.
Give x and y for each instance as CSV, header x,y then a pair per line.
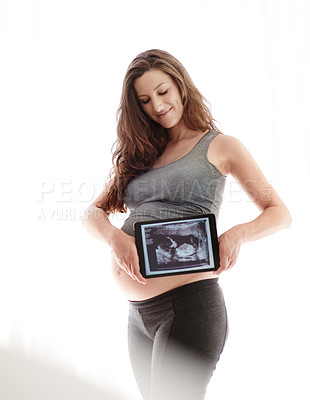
x,y
136,291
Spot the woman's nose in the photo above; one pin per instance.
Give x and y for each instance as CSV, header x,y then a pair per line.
x,y
158,105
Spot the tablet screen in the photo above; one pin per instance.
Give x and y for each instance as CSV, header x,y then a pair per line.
x,y
176,246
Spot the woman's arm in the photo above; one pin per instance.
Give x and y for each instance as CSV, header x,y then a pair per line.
x,y
238,162
124,250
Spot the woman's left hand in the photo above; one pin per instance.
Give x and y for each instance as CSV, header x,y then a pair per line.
x,y
229,247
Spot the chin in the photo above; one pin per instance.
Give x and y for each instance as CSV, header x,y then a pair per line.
x,y
169,124
163,124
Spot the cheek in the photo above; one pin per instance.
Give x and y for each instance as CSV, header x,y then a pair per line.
x,y
179,105
177,100
147,109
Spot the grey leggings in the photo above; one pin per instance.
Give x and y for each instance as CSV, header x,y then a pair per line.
x,y
175,340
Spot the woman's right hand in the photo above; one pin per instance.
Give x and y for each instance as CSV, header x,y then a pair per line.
x,y
125,253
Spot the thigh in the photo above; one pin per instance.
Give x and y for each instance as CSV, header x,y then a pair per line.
x,y
200,324
140,353
193,347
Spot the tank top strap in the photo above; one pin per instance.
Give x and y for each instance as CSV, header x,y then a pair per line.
x,y
204,143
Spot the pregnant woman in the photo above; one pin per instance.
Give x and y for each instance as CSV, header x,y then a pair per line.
x,y
172,161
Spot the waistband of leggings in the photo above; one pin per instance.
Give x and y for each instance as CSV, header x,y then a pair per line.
x,y
189,288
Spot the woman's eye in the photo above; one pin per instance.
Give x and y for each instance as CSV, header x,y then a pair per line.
x,y
159,94
145,101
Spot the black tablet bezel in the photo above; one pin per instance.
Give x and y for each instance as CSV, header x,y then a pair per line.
x,y
213,239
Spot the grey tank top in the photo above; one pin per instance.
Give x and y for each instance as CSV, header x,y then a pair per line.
x,y
188,186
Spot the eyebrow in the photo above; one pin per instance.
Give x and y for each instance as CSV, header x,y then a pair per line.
x,y
154,89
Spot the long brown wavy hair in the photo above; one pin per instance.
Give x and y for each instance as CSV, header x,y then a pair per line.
x,y
140,140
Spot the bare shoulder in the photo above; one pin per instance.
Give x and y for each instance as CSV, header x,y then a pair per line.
x,y
224,151
226,143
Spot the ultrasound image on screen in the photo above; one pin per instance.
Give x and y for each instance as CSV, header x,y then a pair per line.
x,y
177,245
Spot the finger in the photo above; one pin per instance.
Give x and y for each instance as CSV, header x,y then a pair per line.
x,y
224,262
127,268
137,274
142,280
219,271
132,273
224,266
230,265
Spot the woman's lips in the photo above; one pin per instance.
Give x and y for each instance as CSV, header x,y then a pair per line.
x,y
163,114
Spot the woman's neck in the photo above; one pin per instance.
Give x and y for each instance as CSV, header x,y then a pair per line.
x,y
180,132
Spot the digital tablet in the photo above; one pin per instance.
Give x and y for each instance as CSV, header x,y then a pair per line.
x,y
177,246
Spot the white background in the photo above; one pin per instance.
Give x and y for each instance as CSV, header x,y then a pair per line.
x,y
62,321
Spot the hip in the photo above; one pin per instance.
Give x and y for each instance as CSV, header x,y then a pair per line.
x,y
193,314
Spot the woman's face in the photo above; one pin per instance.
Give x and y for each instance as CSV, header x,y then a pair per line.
x,y
160,98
